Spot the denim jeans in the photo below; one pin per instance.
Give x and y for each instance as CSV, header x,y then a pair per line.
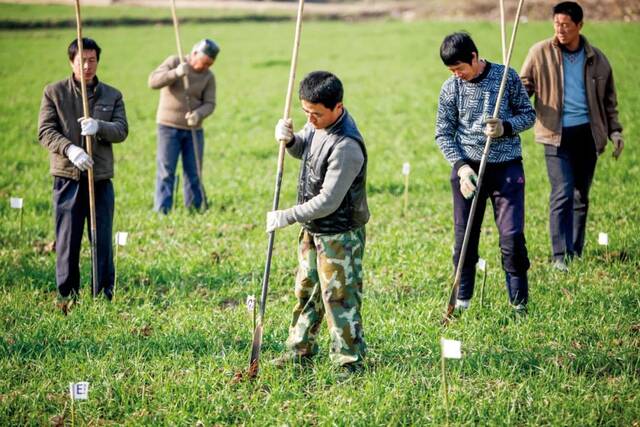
x,y
71,207
570,168
171,143
503,184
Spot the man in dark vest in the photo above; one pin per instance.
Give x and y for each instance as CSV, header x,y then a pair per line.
x,y
332,208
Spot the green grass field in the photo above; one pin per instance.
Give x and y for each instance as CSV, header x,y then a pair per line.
x,y
166,351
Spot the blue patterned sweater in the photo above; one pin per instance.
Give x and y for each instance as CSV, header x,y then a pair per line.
x,y
463,107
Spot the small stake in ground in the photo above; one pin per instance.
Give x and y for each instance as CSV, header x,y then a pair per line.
x,y
121,240
603,240
77,391
450,349
406,169
18,203
482,266
176,190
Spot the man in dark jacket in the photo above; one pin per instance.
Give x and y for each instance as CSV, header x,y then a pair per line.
x,y
61,129
576,108
332,208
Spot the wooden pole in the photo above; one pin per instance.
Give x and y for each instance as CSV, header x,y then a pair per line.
x,y
257,333
89,147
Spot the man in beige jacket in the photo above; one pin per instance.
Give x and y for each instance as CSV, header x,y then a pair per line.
x,y
576,109
61,127
179,117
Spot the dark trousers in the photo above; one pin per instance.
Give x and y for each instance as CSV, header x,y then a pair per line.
x,y
570,168
504,185
171,143
71,210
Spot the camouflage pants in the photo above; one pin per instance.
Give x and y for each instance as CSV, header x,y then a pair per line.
x,y
329,282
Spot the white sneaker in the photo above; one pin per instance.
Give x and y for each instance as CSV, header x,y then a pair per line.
x,y
462,304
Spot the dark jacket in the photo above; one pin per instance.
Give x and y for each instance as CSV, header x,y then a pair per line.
x,y
58,125
542,75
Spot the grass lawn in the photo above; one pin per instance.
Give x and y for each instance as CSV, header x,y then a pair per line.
x,y
166,351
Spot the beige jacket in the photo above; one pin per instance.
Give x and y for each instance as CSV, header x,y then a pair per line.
x,y
542,75
58,125
173,106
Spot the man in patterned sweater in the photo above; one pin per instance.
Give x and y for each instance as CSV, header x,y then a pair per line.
x,y
467,99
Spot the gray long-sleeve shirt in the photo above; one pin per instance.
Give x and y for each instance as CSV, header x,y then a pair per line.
x,y
345,163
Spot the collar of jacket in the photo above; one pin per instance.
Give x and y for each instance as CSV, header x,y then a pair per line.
x,y
588,49
338,123
92,90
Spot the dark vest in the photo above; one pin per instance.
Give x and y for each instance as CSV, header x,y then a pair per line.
x,y
353,211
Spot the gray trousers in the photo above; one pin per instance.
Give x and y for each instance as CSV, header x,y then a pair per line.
x,y
570,168
71,211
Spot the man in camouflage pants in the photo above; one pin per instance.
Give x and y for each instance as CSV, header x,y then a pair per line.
x,y
332,208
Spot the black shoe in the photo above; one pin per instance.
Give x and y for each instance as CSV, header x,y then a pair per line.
x,y
108,294
349,371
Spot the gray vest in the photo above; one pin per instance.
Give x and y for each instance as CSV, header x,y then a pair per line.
x,y
353,211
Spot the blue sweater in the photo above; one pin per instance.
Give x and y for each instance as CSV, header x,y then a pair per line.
x,y
463,107
574,108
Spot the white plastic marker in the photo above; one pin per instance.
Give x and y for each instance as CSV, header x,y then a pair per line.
x,y
251,303
18,203
406,169
603,239
482,266
450,349
251,307
121,240
77,391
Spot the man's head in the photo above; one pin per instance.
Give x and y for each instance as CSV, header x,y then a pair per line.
x,y
91,57
567,23
321,97
203,55
460,54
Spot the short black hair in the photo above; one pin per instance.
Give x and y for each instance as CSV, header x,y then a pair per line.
x,y
570,8
87,44
457,47
321,87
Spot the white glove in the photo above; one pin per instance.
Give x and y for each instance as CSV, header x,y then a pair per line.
x,y
284,130
468,179
275,220
79,157
89,126
494,128
193,118
182,69
618,144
